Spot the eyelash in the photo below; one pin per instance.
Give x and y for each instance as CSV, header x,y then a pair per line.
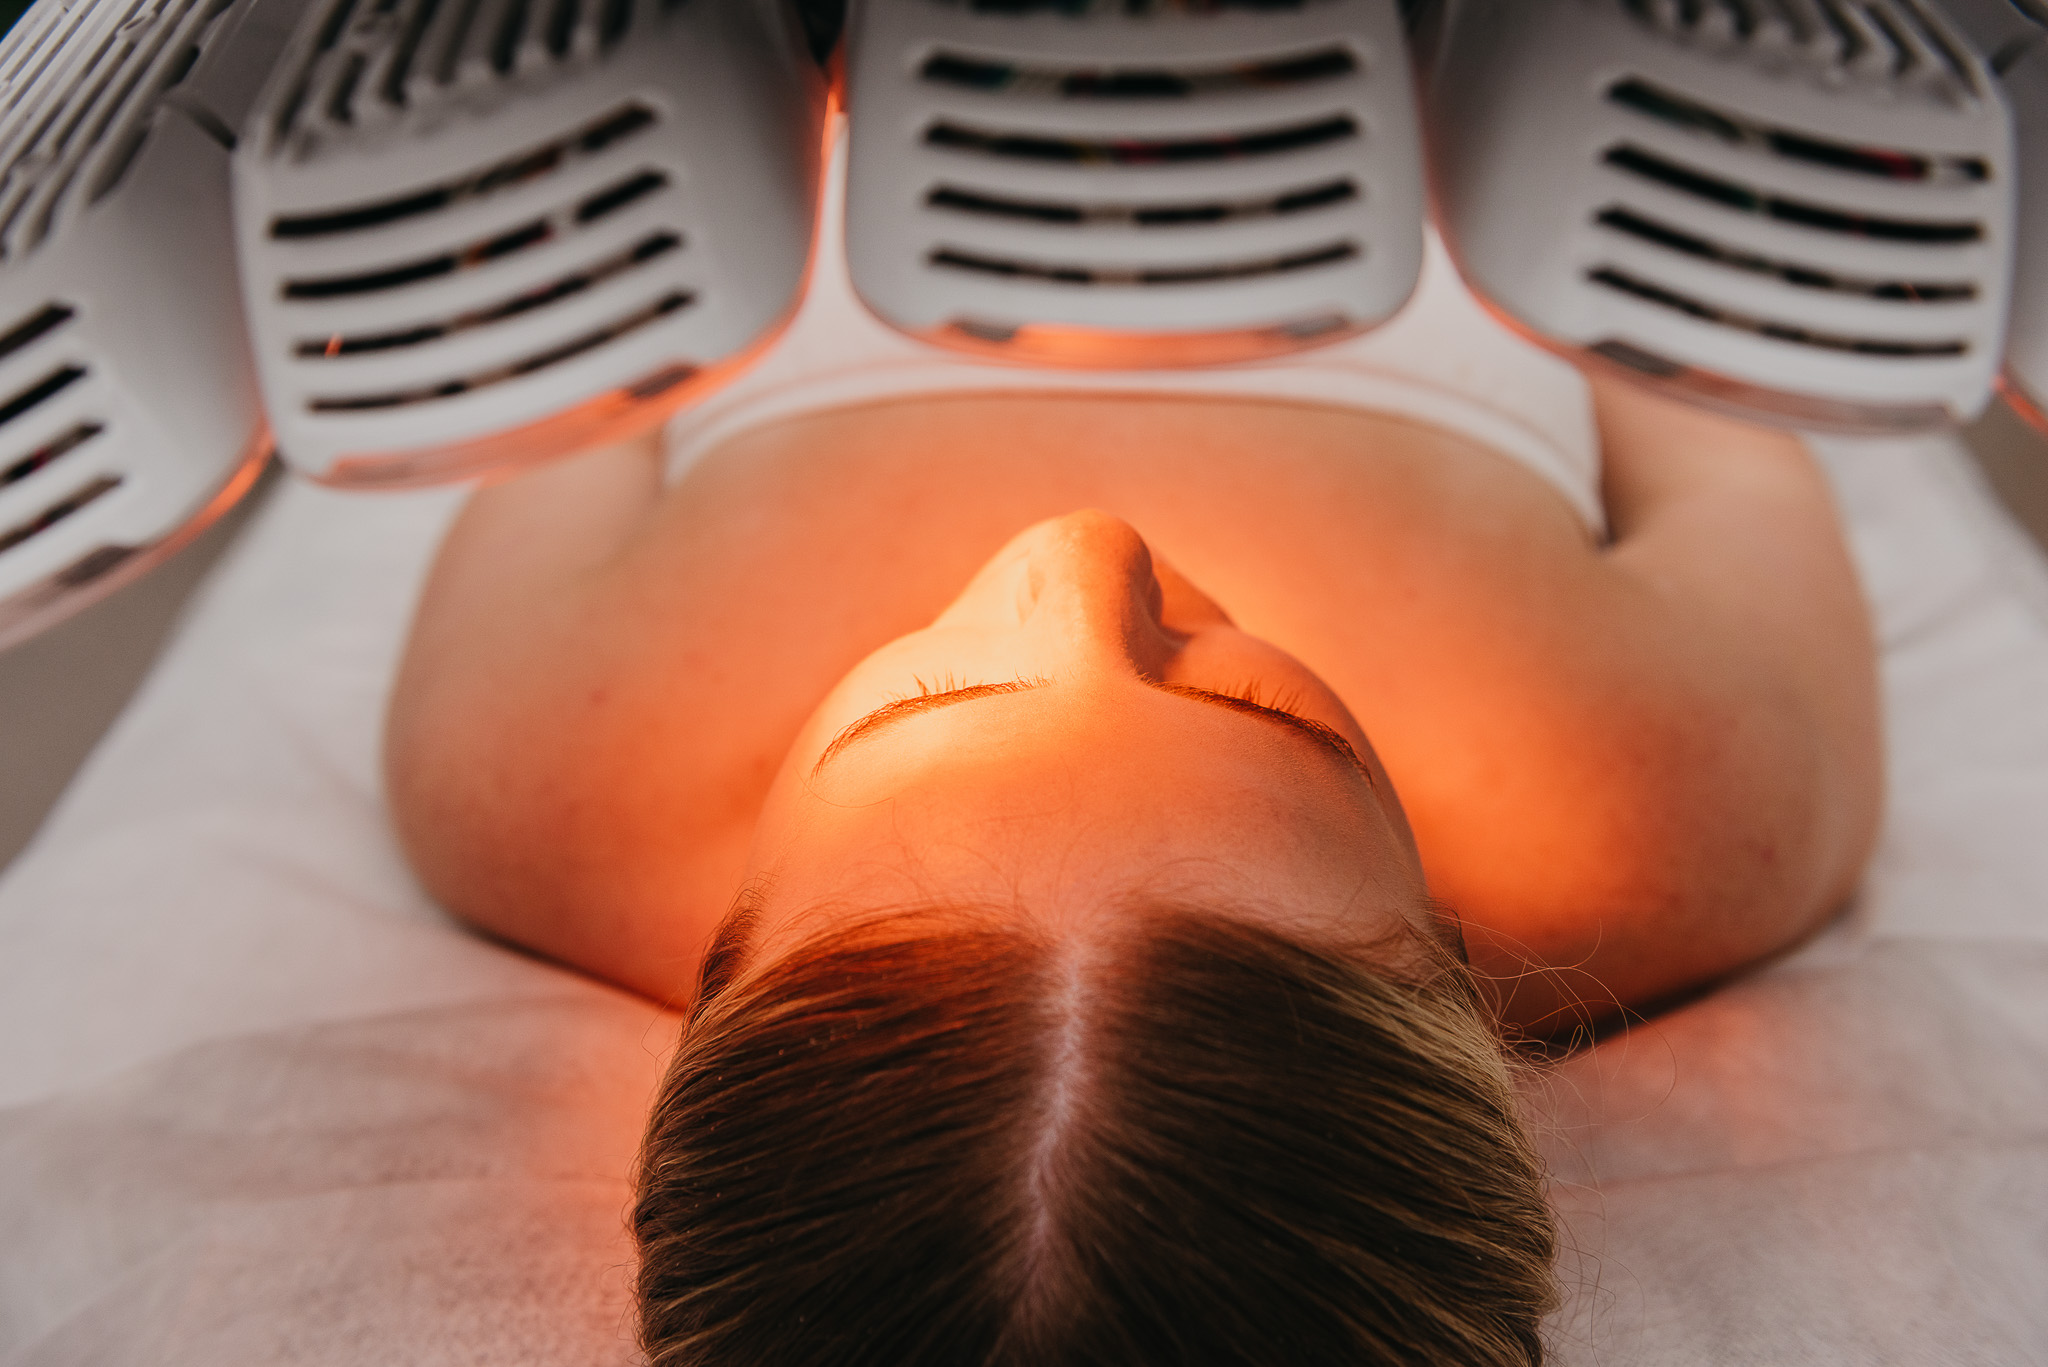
x,y
1247,692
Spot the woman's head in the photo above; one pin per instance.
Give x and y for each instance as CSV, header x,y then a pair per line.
x,y
1185,1069
954,1138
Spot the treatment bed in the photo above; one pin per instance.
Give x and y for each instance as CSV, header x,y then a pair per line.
x,y
262,1103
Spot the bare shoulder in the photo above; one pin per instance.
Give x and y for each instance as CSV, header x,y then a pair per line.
x,y
1716,751
517,764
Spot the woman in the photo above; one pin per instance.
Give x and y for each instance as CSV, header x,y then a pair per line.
x,y
1067,982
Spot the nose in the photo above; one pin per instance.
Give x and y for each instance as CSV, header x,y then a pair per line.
x,y
1085,595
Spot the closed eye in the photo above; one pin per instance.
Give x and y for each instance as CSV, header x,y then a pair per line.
x,y
1245,703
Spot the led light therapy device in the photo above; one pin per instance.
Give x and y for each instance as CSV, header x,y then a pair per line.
x,y
128,410
476,233
1131,182
1797,210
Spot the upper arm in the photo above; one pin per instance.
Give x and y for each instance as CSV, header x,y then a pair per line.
x,y
1729,746
1736,527
506,787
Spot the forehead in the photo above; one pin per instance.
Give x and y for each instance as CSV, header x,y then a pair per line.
x,y
1012,800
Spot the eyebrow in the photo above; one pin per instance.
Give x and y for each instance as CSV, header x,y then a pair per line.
x,y
1325,737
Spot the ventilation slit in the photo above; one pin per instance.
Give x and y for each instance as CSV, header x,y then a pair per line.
x,y
450,37
428,268
330,34
953,258
58,511
1886,163
647,249
1676,301
612,22
45,320
482,379
1745,199
623,124
515,170
1075,9
997,76
511,34
1648,229
562,27
47,388
407,50
341,107
971,201
48,453
182,67
610,201
1138,151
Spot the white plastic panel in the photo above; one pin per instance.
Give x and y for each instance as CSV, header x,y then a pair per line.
x,y
1131,184
1802,212
475,235
128,408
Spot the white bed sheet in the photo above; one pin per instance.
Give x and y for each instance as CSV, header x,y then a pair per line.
x,y
261,1102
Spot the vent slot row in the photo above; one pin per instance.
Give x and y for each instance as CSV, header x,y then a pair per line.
x,y
429,268
329,34
483,379
995,76
99,114
57,512
1650,292
1792,273
660,244
1139,151
407,50
48,453
534,233
46,388
515,170
952,258
37,38
1730,194
1869,39
73,43
1136,9
967,201
43,160
1886,163
396,51
36,325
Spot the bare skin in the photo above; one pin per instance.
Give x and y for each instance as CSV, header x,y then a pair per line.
x,y
1633,767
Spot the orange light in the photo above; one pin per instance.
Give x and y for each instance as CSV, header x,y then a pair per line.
x,y
2023,403
1101,349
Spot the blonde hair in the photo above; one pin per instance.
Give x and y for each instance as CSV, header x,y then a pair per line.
x,y
923,1140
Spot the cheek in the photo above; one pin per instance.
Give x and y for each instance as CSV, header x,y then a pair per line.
x,y
1181,607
